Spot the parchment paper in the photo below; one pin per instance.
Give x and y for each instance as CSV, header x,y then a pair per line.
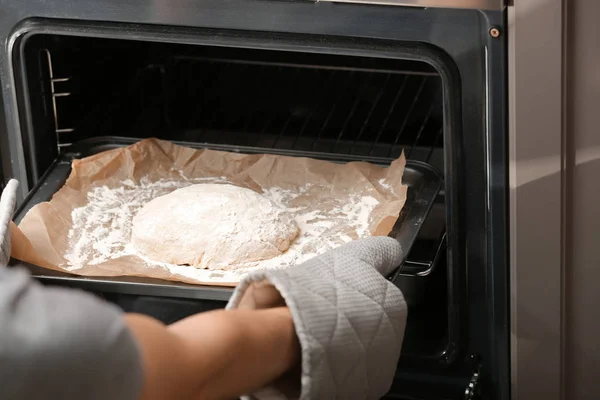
x,y
42,237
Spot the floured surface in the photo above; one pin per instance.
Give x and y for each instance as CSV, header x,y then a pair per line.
x,y
86,228
101,229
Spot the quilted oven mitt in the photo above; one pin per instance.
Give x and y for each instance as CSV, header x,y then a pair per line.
x,y
7,208
349,319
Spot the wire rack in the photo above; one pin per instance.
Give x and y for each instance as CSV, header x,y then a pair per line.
x,y
305,107
335,109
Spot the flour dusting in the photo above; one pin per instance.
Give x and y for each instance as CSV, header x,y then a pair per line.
x,y
101,229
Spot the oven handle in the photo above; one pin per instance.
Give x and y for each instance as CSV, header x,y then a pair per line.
x,y
425,267
490,5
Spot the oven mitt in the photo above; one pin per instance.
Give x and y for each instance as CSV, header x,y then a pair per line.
x,y
349,319
7,208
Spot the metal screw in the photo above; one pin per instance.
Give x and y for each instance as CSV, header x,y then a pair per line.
x,y
495,32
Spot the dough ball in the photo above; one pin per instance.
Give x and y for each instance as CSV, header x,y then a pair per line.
x,y
214,226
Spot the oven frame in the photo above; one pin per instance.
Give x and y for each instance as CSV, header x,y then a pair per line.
x,y
463,36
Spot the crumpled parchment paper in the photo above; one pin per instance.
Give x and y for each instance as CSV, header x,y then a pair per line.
x,y
42,237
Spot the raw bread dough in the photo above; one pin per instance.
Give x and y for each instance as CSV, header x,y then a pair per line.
x,y
214,226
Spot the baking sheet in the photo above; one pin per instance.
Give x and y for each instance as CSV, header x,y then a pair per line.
x,y
44,239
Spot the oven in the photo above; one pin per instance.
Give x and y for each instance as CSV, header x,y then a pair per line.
x,y
344,81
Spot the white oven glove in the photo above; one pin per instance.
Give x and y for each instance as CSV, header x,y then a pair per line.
x,y
349,319
7,208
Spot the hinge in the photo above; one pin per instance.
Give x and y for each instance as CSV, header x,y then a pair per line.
x,y
473,390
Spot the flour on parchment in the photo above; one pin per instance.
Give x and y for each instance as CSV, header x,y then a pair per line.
x,y
101,229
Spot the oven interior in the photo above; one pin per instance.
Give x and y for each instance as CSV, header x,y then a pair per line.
x,y
81,95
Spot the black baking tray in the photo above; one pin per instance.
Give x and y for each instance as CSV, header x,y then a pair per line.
x,y
424,184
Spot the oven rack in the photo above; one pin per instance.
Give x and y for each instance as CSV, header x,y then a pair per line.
x,y
374,111
424,185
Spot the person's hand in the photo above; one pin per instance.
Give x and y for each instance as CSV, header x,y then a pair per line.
x,y
349,319
7,208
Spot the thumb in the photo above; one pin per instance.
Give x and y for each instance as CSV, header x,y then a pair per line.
x,y
382,252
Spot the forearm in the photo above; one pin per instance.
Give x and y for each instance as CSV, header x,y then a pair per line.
x,y
215,355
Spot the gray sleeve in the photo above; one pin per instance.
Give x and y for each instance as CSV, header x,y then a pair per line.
x,y
63,344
